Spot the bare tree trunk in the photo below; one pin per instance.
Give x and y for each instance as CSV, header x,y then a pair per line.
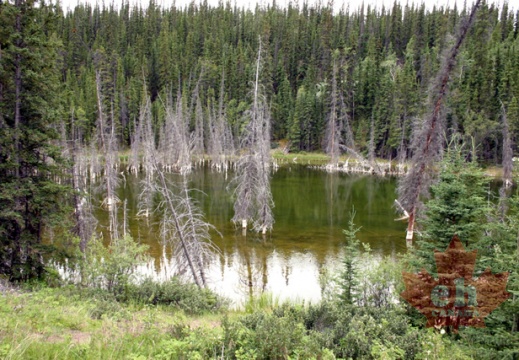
x,y
85,221
197,136
183,225
221,142
427,141
253,196
174,144
109,150
333,128
149,154
507,151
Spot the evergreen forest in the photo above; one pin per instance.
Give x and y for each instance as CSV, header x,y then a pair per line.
x,y
95,94
385,59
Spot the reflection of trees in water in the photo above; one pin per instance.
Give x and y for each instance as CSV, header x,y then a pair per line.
x,y
215,201
252,267
286,271
331,188
340,194
311,208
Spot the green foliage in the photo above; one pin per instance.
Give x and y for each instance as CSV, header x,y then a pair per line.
x,y
458,206
366,279
269,336
31,199
198,344
439,347
262,302
352,331
183,296
349,278
111,268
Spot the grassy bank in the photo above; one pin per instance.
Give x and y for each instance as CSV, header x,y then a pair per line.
x,y
319,158
68,323
62,323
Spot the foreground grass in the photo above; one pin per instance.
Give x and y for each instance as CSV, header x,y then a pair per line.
x,y
67,323
62,324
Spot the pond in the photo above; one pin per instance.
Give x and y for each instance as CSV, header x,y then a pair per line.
x,y
312,207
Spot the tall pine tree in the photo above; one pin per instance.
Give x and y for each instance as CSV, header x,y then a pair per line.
x,y
30,199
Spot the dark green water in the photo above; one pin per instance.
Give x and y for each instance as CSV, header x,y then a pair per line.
x,y
311,209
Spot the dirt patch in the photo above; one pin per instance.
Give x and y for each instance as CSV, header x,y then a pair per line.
x,y
197,323
76,337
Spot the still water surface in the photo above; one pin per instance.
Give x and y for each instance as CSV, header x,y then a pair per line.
x,y
312,208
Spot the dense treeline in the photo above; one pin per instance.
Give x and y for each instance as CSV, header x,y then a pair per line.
x,y
385,59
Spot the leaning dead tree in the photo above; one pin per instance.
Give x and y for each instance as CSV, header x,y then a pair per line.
x,y
183,226
253,196
427,143
507,162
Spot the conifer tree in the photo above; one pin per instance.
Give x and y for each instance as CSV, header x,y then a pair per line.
x,y
30,197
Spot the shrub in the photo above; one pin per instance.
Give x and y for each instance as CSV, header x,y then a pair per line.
x,y
264,335
184,296
111,267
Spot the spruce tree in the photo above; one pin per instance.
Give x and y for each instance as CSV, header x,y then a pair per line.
x,y
30,197
458,207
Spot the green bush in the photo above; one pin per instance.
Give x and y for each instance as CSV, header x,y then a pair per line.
x,y
111,268
264,335
199,344
183,296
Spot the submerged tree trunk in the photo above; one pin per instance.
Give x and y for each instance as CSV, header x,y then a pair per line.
x,y
85,220
183,224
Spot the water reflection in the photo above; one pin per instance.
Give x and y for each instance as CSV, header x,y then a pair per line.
x,y
311,209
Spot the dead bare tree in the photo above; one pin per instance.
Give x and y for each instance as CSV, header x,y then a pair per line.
x,y
72,150
197,135
147,149
507,151
221,142
134,162
427,144
108,144
183,227
333,125
174,139
253,196
338,123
